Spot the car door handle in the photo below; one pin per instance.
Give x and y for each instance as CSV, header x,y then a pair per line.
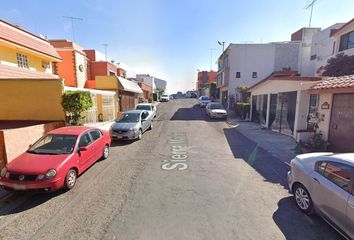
x,y
316,180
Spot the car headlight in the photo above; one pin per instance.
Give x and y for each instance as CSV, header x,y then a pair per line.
x,y
51,173
3,172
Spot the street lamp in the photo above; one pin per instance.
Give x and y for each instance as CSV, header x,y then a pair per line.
x,y
222,44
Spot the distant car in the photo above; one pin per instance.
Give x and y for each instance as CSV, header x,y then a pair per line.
x,y
171,97
193,95
323,183
203,101
56,159
164,98
131,125
151,108
216,110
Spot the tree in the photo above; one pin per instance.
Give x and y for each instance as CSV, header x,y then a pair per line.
x,y
339,66
74,103
242,89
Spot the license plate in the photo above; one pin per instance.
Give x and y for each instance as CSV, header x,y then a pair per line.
x,y
19,187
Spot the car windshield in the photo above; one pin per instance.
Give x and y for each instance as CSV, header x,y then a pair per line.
x,y
216,106
143,107
129,117
205,98
54,144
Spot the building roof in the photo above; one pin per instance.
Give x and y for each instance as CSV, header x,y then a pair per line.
x,y
129,86
341,28
10,72
15,35
64,44
285,75
335,83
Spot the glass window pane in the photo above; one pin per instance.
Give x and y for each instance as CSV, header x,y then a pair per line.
x,y
339,174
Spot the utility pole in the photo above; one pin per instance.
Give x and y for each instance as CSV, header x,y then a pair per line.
x,y
105,50
72,24
311,6
211,57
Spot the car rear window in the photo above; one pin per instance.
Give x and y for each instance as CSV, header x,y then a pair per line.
x,y
205,98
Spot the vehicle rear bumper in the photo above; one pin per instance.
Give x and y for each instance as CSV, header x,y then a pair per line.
x,y
131,135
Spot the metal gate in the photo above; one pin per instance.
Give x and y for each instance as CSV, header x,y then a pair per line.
x,y
108,109
90,116
341,137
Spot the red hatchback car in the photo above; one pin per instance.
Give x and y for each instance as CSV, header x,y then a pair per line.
x,y
56,159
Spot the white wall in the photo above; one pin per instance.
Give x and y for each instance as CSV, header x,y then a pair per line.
x,y
325,114
305,68
276,86
322,47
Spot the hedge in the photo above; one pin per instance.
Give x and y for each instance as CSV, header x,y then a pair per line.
x,y
242,109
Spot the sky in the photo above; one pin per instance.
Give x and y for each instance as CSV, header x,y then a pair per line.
x,y
171,39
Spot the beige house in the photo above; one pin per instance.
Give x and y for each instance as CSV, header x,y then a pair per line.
x,y
281,102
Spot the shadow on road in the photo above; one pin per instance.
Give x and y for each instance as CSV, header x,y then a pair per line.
x,y
262,161
297,225
195,113
290,220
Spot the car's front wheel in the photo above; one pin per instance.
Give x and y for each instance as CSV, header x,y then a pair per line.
x,y
151,126
140,134
303,199
70,179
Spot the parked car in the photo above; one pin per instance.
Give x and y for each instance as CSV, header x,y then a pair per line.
x,y
56,159
323,183
203,101
216,110
164,98
131,125
151,108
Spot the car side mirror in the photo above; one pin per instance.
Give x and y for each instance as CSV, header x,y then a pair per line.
x,y
29,146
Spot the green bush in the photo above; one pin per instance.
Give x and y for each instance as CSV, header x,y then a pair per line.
x,y
74,103
242,109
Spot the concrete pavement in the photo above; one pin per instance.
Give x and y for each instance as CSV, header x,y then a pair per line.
x,y
188,178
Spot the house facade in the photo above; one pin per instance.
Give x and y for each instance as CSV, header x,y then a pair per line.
x,y
77,68
206,83
30,90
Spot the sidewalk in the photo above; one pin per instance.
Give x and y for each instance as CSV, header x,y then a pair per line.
x,y
280,146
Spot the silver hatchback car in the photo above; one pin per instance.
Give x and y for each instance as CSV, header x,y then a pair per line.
x,y
131,125
323,183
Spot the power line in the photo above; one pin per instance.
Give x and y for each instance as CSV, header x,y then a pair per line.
x,y
72,24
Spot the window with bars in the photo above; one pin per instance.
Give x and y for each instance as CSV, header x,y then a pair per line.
x,y
22,60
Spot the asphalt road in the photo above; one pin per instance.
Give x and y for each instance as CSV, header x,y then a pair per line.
x,y
188,178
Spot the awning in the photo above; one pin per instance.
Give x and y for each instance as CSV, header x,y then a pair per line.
x,y
129,86
93,91
11,72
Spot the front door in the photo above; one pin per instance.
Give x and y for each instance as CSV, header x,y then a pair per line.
x,y
341,137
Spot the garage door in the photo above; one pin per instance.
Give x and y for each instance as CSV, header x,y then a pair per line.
x,y
341,135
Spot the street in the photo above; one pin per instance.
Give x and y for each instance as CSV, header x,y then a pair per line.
x,y
188,178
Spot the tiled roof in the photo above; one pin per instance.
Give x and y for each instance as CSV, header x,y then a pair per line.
x,y
335,82
342,27
18,36
285,75
10,72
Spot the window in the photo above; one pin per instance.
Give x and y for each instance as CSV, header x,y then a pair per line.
x,y
346,41
85,140
112,73
254,74
238,74
22,60
340,174
320,167
313,57
95,134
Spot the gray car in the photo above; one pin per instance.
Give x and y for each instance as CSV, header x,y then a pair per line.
x,y
131,125
322,183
